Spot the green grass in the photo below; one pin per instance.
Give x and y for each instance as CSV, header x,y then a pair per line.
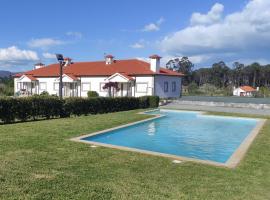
x,y
38,161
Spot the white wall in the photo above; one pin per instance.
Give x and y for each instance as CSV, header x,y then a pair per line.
x,y
238,91
49,85
160,82
94,85
144,86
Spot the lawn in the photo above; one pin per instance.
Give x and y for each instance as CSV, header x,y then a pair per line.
x,y
38,161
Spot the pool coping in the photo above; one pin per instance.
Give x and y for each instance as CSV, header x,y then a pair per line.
x,y
232,162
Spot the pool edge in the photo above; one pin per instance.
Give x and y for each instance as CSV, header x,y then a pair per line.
x,y
232,162
241,151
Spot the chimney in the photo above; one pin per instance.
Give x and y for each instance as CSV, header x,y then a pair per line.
x,y
155,63
67,61
38,65
109,59
257,89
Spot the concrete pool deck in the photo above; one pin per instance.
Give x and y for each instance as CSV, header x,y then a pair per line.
x,y
249,111
232,162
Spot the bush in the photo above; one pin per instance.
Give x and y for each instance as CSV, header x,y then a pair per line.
x,y
44,93
153,101
40,107
92,94
7,109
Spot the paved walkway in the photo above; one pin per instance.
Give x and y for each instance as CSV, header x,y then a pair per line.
x,y
219,109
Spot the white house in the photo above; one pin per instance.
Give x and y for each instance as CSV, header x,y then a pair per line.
x,y
133,77
244,91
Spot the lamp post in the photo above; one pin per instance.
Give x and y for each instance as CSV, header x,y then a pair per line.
x,y
60,59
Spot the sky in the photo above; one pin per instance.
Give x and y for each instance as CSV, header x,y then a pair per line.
x,y
206,31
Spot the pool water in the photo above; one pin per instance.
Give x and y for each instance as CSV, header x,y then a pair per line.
x,y
183,133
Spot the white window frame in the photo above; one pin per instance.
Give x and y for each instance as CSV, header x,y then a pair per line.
x,y
83,89
45,84
146,88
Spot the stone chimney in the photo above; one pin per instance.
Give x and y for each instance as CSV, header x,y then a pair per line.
x,y
67,61
155,63
38,65
109,59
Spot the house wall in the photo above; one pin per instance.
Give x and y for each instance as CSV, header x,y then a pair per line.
x,y
141,86
49,86
144,85
160,86
238,91
94,86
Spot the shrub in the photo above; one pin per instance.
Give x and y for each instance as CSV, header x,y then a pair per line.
x,y
153,101
7,109
144,102
39,107
44,93
92,94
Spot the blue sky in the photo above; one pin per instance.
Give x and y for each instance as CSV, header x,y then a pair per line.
x,y
207,31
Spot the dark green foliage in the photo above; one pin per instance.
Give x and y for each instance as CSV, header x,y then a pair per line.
x,y
6,86
44,93
43,106
92,94
153,101
7,109
149,101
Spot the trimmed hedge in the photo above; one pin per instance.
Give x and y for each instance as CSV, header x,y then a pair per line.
x,y
40,107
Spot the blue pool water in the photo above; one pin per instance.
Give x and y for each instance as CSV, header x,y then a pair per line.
x,y
188,134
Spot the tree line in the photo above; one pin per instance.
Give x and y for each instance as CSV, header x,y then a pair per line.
x,y
222,76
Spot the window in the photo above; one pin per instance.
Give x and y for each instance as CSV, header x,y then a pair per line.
x,y
166,86
141,87
56,86
43,86
86,87
173,86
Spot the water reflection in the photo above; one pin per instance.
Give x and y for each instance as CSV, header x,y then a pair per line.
x,y
151,129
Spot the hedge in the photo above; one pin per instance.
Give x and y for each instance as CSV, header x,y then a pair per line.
x,y
40,107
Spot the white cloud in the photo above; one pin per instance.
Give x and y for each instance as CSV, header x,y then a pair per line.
x,y
44,43
153,26
13,56
137,46
239,35
48,55
75,34
213,16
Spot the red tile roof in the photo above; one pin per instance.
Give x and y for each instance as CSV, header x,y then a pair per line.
x,y
126,76
129,67
31,77
248,88
72,76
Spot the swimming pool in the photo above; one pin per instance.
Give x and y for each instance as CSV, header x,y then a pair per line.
x,y
183,134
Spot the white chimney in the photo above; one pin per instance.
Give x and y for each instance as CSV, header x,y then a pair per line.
x,y
257,88
38,65
155,63
109,59
67,61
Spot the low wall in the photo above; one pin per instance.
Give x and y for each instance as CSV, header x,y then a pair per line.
x,y
222,104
